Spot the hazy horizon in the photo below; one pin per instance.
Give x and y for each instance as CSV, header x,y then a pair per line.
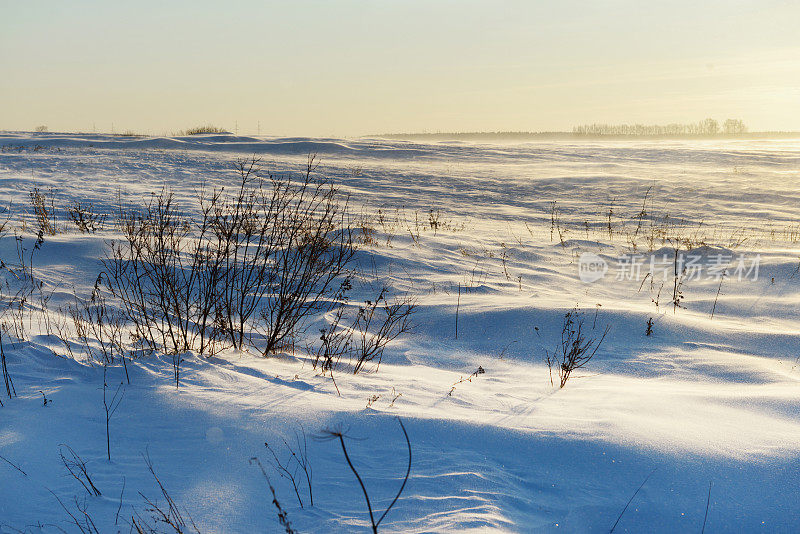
x,y
358,68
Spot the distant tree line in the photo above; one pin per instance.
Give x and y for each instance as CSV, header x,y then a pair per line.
x,y
704,127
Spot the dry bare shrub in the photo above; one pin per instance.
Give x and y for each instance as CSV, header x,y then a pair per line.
x,y
4,221
362,332
262,259
296,466
99,327
206,129
163,273
310,264
577,347
84,218
44,210
20,288
335,339
378,322
76,466
110,406
160,516
80,517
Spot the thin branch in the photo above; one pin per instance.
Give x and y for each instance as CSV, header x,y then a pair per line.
x,y
631,499
405,479
339,434
12,464
708,504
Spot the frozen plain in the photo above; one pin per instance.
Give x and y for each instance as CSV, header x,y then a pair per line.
x,y
701,401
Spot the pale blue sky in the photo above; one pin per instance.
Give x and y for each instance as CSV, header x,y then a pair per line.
x,y
359,67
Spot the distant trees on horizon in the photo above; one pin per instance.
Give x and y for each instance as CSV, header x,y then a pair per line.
x,y
705,127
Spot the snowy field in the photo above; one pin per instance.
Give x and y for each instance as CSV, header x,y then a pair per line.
x,y
701,239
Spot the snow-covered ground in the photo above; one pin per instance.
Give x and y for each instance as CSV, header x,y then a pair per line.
x,y
711,398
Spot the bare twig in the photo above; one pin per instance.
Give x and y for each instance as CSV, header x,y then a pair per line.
x,y
110,407
708,504
339,434
77,468
297,461
631,499
168,515
12,464
283,517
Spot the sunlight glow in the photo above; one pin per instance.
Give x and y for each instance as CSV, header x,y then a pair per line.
x,y
359,67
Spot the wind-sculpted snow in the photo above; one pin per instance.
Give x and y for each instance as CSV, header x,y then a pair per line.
x,y
490,239
216,143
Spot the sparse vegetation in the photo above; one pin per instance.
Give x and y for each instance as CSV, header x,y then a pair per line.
x,y
76,467
256,265
99,327
578,346
206,129
84,217
479,371
283,516
261,260
296,468
161,516
8,382
377,323
44,211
